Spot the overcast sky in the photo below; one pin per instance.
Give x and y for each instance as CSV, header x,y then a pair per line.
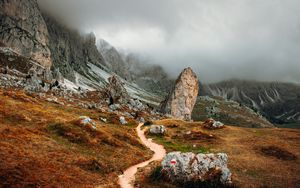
x,y
219,39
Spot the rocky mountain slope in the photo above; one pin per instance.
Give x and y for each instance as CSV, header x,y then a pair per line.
x,y
31,34
152,78
71,52
114,60
279,102
229,112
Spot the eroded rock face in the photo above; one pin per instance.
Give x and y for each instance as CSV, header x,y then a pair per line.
x,y
24,30
190,167
181,100
116,90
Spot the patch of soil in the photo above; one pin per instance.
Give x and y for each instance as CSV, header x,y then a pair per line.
x,y
277,152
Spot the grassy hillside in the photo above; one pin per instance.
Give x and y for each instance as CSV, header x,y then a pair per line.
x,y
41,144
228,112
264,157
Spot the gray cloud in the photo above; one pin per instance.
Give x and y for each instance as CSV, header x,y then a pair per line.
x,y
247,39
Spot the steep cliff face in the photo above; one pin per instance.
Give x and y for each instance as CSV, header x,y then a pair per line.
x,y
70,51
22,28
34,34
114,59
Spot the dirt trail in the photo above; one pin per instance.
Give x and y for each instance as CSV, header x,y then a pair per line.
x,y
127,178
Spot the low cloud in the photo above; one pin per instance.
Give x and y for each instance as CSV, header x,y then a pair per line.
x,y
246,39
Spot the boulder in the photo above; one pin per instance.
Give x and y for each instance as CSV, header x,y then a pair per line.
x,y
86,121
212,124
122,120
104,120
157,129
182,98
136,105
116,91
114,107
141,120
189,167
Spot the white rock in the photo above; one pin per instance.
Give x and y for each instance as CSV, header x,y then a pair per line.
x,y
157,129
103,119
84,120
212,124
123,120
185,167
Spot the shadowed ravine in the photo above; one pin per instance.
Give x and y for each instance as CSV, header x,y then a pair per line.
x,y
126,180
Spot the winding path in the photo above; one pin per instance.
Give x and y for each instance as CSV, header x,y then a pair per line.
x,y
127,178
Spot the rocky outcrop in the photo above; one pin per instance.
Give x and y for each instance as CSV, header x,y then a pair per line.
x,y
23,28
157,129
35,35
87,122
116,91
181,100
189,167
213,124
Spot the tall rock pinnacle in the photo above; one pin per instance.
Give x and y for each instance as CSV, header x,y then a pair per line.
x,y
182,98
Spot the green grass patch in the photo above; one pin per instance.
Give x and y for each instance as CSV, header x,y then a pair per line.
x,y
178,146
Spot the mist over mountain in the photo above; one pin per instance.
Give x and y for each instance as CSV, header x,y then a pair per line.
x,y
88,86
134,68
220,40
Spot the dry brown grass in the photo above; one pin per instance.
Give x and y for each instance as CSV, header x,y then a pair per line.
x,y
251,167
41,145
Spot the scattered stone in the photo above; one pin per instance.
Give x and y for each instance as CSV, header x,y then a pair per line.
x,y
142,120
114,107
189,167
182,98
136,105
86,121
157,129
53,99
104,120
212,124
127,114
123,120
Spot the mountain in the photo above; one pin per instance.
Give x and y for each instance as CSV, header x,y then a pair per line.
x,y
32,35
28,37
228,112
114,59
279,102
152,78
